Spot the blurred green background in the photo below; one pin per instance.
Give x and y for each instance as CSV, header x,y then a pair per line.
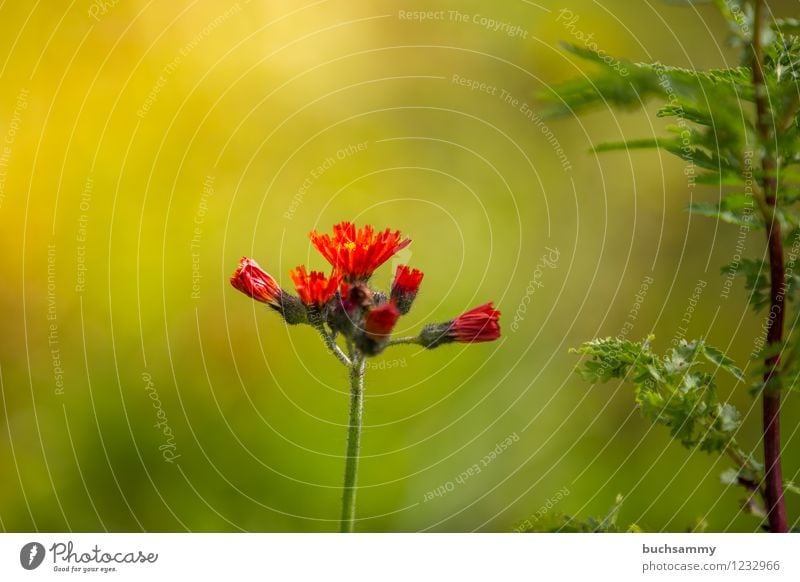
x,y
147,146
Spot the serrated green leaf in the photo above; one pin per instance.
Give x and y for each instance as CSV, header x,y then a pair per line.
x,y
724,213
716,357
673,391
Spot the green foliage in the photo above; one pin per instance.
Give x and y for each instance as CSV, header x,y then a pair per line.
x,y
789,368
713,113
678,391
730,127
789,352
756,281
755,273
734,209
561,523
675,390
710,100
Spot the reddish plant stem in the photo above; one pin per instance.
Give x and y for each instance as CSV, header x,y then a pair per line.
x,y
773,478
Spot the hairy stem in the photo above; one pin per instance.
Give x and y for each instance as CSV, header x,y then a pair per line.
x,y
403,340
773,479
331,344
353,444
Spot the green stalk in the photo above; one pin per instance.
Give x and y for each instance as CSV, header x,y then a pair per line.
x,y
353,444
330,343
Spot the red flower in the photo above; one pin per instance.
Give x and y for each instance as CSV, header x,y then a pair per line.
x,y
314,288
405,287
254,282
406,280
356,253
380,322
480,324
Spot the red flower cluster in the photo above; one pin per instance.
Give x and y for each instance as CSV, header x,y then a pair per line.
x,y
345,302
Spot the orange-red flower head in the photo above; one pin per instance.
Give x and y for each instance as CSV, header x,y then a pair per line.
x,y
480,324
314,288
356,253
405,287
254,282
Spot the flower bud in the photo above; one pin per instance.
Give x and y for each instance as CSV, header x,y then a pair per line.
x,y
481,324
378,325
405,287
257,284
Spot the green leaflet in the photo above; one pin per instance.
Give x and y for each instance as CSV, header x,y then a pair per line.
x,y
557,522
756,276
736,209
676,390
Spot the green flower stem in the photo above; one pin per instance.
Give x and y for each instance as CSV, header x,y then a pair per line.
x,y
353,444
331,344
